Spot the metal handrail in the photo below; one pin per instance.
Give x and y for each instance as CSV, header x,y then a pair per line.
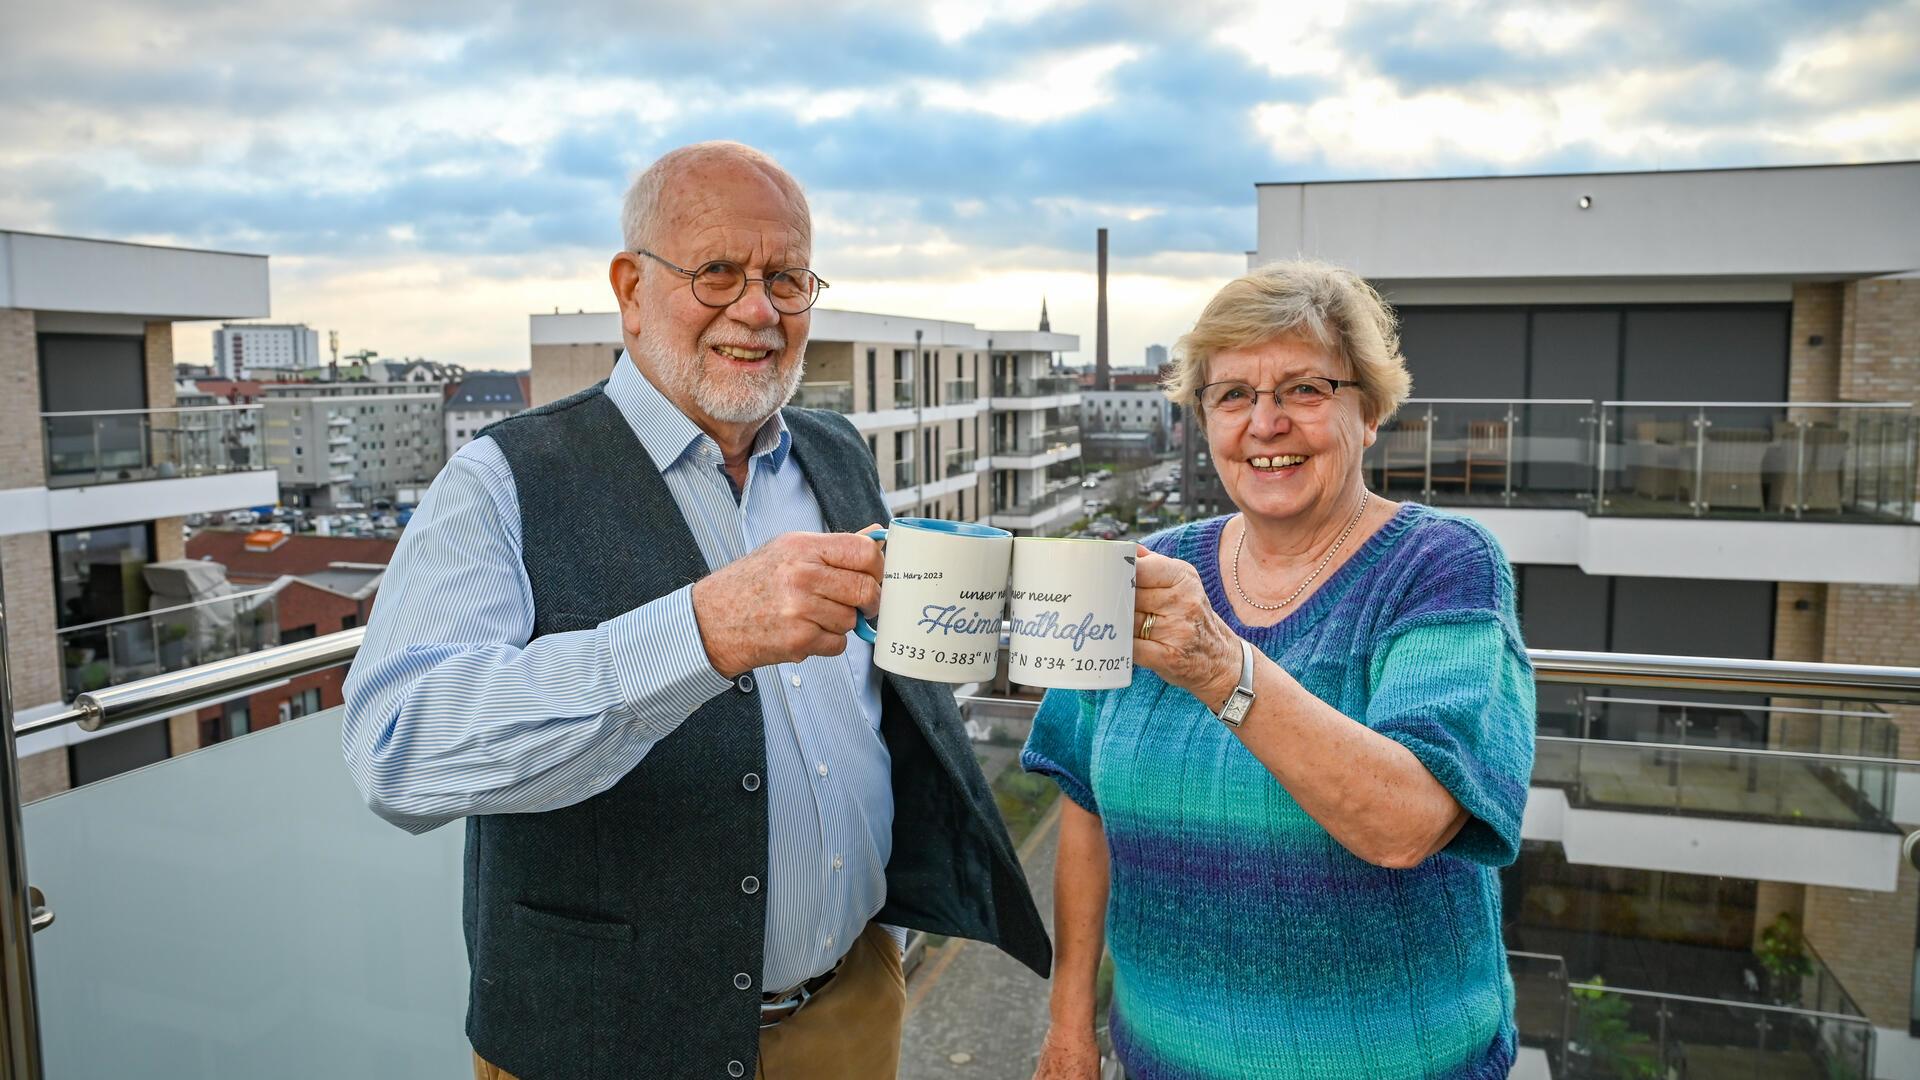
x,y
189,606
1760,404
147,412
1783,678
1876,714
1721,1003
1804,755
177,691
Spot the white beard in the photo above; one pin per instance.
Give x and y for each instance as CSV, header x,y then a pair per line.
x,y
742,398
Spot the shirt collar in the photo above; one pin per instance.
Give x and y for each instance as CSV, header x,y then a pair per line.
x,y
669,434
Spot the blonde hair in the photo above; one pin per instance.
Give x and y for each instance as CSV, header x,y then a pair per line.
x,y
1312,301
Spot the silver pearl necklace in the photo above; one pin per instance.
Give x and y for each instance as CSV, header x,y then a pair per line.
x,y
1311,578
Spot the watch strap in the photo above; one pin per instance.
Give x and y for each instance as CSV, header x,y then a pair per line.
x,y
1233,711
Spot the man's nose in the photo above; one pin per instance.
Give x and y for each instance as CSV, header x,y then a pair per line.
x,y
754,308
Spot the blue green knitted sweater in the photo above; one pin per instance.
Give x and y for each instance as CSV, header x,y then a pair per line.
x,y
1246,941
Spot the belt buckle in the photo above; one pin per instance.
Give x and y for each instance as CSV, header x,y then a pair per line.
x,y
772,1013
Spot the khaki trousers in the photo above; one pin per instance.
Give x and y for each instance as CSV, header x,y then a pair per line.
x,y
849,1031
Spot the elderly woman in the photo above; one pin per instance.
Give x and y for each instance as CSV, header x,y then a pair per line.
x,y
1287,828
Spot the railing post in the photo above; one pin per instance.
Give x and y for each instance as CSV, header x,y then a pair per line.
x,y
94,423
1426,482
1513,424
1600,425
1700,425
20,1038
1799,467
1660,1047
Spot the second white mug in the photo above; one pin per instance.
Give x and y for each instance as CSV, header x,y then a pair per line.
x,y
1070,613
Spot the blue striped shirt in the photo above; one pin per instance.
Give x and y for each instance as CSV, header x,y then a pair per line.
x,y
450,711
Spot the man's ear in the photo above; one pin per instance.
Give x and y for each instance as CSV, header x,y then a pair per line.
x,y
625,275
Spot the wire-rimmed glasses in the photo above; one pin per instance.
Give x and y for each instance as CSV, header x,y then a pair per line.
x,y
719,283
1301,397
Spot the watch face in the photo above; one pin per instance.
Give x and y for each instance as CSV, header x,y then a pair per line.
x,y
1235,710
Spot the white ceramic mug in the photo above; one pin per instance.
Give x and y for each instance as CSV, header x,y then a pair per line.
x,y
942,593
1071,613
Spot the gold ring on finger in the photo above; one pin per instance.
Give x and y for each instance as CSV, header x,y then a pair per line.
x,y
1146,628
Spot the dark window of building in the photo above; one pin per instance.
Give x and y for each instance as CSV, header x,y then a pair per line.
x,y
110,755
347,622
297,633
97,572
93,374
304,703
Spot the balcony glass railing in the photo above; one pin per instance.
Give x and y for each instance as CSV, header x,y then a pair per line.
x,y
335,946
1042,386
961,461
961,392
1039,504
837,396
904,474
150,444
1035,444
903,394
1760,460
97,655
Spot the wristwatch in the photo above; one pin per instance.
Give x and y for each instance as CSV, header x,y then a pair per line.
x,y
1234,711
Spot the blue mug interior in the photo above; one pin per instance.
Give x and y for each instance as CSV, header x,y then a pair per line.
x,y
953,528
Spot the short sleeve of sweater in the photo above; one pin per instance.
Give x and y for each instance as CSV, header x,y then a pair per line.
x,y
1451,682
1061,744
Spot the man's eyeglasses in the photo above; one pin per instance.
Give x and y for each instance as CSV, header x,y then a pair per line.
x,y
1300,398
719,283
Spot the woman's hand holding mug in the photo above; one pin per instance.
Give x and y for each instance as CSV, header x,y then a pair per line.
x,y
1187,644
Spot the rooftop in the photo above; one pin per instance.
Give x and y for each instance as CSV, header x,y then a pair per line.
x,y
305,555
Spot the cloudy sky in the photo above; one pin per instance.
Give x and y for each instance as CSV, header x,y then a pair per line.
x,y
427,174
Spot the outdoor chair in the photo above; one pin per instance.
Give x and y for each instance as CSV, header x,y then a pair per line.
x,y
1810,483
1730,469
1403,453
1653,457
1487,447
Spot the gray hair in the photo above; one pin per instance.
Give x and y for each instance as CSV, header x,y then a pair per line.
x,y
1312,301
640,211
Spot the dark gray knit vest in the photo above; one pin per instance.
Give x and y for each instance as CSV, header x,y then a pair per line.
x,y
608,939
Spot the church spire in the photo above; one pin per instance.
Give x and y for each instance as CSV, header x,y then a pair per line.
x,y
1045,326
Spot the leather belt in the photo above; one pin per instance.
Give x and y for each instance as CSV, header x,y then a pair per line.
x,y
777,1007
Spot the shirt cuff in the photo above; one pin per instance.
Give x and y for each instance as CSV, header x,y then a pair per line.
x,y
660,662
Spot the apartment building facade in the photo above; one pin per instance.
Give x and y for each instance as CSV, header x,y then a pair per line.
x,y
100,467
964,423
338,445
479,399
1684,403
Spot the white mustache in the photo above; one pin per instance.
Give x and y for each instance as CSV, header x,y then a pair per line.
x,y
770,338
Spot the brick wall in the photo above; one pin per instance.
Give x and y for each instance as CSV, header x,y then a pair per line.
x,y
169,539
33,655
559,370
1868,937
159,354
44,774
23,457
1814,340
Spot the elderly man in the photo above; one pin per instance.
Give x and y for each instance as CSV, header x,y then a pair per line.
x,y
615,640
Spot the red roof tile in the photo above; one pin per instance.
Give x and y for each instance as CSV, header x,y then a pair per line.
x,y
305,554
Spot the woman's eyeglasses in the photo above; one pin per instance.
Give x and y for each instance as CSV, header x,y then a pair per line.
x,y
1299,398
719,283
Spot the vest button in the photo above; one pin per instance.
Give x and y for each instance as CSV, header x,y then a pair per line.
x,y
734,1068
744,684
751,781
743,981
749,884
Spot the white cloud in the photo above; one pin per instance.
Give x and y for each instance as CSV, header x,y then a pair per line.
x,y
954,22
1049,86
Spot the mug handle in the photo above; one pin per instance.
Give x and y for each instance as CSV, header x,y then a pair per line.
x,y
861,626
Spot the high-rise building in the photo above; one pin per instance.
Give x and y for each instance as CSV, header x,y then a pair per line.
x,y
1683,401
100,468
1156,357
243,348
964,423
